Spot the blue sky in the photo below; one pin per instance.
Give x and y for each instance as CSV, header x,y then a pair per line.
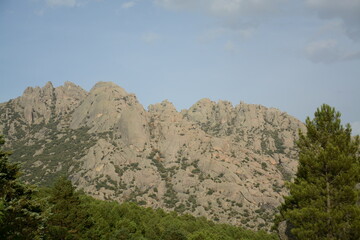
x,y
291,55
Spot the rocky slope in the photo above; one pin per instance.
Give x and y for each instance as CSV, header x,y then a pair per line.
x,y
227,163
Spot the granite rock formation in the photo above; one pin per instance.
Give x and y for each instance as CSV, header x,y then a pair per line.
x,y
227,163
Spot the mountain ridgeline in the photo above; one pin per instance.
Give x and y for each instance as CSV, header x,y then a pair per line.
x,y
226,163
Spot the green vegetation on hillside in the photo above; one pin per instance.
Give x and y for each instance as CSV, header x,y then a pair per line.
x,y
53,155
111,220
60,212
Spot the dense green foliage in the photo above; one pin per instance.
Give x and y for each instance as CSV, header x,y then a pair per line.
x,y
69,217
61,212
323,198
20,215
77,216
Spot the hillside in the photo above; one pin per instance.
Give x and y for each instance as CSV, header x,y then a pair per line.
x,y
227,163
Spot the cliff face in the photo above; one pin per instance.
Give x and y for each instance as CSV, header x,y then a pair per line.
x,y
227,163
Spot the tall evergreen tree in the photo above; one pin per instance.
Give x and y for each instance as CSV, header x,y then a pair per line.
x,y
323,197
20,215
69,218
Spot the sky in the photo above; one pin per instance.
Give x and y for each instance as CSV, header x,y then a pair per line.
x,y
291,55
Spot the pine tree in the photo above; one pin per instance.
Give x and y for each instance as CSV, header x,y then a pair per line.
x,y
20,215
69,218
323,197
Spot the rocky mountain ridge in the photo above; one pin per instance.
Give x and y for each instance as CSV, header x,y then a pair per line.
x,y
227,163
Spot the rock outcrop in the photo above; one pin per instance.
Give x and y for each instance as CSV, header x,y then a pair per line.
x,y
227,163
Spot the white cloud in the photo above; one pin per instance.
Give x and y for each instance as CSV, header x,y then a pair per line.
x,y
236,15
346,10
127,5
252,8
355,128
150,37
238,19
232,12
334,6
62,3
322,51
224,7
235,19
328,51
180,4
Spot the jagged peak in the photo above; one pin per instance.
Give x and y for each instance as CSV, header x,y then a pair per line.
x,y
30,90
207,101
204,101
48,85
72,89
224,102
164,105
68,84
243,105
106,85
